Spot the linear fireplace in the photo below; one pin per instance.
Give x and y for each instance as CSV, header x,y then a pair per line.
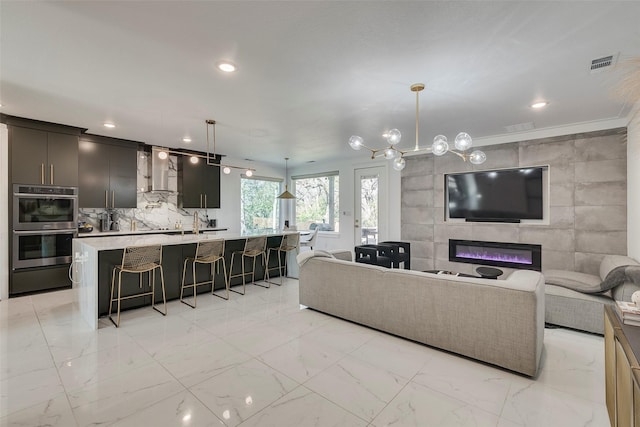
x,y
499,254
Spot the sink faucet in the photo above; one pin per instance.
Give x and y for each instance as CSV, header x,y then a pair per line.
x,y
196,223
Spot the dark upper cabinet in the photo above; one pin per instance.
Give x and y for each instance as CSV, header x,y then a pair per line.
x,y
108,174
43,158
198,183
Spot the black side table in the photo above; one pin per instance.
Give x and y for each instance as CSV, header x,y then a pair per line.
x,y
489,272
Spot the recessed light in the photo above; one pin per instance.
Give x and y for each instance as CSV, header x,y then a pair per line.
x,y
540,104
186,139
0,105
162,155
227,67
194,159
249,173
109,125
226,170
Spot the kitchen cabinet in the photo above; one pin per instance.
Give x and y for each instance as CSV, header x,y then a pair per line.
x,y
43,158
108,174
198,183
622,371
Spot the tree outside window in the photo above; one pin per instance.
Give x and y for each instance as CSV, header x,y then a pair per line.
x,y
317,202
260,209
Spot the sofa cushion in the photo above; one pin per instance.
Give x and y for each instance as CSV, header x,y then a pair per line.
x,y
581,282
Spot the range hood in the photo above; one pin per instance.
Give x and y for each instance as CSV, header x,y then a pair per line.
x,y
158,171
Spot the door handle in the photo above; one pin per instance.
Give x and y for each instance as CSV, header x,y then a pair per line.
x,y
51,173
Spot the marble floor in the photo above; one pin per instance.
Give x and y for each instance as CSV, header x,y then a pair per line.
x,y
261,360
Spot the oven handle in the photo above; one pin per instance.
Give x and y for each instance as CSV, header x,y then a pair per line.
x,y
47,231
45,196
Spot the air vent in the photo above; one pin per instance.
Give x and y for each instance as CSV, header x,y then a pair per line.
x,y
520,127
604,63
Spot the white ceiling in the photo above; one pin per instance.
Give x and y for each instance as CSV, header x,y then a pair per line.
x,y
311,73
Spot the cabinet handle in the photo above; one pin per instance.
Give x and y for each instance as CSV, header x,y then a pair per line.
x,y
113,198
205,201
106,199
42,173
201,200
51,173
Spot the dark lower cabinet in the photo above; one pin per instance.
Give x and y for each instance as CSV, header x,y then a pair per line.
x,y
39,279
173,257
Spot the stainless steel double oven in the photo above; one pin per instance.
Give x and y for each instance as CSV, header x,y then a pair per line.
x,y
44,225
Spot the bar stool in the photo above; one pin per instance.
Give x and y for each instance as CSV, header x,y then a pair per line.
x,y
288,243
254,247
207,252
138,260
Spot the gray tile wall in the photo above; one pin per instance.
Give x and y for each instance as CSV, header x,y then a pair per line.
x,y
587,202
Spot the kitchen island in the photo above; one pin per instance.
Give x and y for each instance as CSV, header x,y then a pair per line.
x,y
95,257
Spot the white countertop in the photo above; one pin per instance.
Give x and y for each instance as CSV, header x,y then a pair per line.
x,y
121,241
97,233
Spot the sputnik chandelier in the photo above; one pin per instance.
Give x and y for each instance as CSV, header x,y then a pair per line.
x,y
440,146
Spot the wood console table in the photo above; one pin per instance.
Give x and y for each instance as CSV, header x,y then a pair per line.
x,y
622,371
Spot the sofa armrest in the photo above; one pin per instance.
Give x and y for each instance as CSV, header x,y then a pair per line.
x,y
343,254
609,262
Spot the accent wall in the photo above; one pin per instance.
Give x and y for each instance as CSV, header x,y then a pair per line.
x,y
586,195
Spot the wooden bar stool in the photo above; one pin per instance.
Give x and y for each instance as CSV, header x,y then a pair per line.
x,y
138,260
288,243
207,252
254,247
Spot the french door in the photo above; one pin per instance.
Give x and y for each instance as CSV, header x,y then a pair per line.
x,y
371,205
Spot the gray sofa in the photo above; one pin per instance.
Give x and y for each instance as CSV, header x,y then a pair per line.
x,y
496,321
577,300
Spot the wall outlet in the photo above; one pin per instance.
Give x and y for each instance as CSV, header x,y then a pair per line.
x,y
80,258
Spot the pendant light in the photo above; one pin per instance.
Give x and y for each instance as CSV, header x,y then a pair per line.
x,y
285,194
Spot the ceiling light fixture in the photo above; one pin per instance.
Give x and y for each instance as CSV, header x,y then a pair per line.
x,y
227,67
285,194
109,125
540,104
211,155
439,147
186,139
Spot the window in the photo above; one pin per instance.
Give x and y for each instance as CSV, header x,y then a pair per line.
x,y
317,201
259,207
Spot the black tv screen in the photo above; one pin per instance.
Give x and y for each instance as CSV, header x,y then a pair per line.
x,y
508,194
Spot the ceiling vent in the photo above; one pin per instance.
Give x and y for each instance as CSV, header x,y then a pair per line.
x,y
603,64
520,127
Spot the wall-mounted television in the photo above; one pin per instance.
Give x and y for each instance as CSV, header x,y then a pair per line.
x,y
506,195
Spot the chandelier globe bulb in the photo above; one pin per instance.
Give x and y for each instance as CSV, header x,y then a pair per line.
x,y
463,141
440,145
356,142
477,157
399,163
390,153
394,136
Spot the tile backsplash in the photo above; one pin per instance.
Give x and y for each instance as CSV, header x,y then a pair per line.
x,y
155,210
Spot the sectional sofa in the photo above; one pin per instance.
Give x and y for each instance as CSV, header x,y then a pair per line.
x,y
500,322
577,300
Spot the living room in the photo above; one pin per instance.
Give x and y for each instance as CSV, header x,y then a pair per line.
x,y
309,76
